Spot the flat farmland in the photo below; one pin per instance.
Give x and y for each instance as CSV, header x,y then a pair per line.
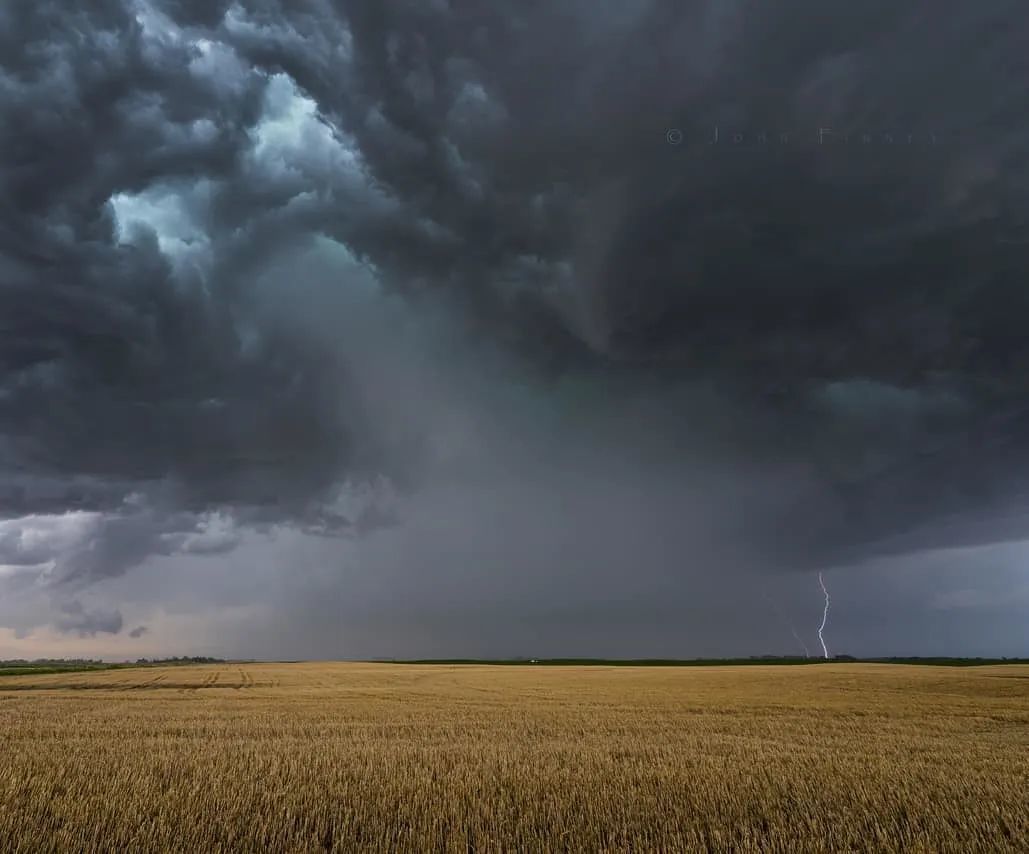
x,y
390,757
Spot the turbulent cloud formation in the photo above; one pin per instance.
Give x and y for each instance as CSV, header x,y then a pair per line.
x,y
718,283
75,618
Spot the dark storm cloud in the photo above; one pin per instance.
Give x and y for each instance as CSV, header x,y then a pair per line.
x,y
877,250
75,618
115,368
851,303
77,548
534,134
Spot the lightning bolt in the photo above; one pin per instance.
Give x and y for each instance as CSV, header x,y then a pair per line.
x,y
785,619
825,616
800,640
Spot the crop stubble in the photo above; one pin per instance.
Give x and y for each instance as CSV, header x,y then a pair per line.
x,y
304,757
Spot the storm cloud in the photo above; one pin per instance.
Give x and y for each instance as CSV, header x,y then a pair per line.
x,y
671,290
75,618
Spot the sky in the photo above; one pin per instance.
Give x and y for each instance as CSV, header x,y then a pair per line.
x,y
384,328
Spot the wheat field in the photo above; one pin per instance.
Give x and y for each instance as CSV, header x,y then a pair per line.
x,y
383,757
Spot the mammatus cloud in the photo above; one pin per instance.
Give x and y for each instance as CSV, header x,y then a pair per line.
x,y
260,262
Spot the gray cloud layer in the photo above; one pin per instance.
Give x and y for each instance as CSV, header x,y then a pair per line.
x,y
254,254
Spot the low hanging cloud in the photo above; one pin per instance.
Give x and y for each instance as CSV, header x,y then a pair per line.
x,y
268,266
75,618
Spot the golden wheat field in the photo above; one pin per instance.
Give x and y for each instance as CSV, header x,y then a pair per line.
x,y
381,757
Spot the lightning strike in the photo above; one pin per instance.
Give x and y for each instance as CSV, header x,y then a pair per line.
x,y
788,622
825,616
